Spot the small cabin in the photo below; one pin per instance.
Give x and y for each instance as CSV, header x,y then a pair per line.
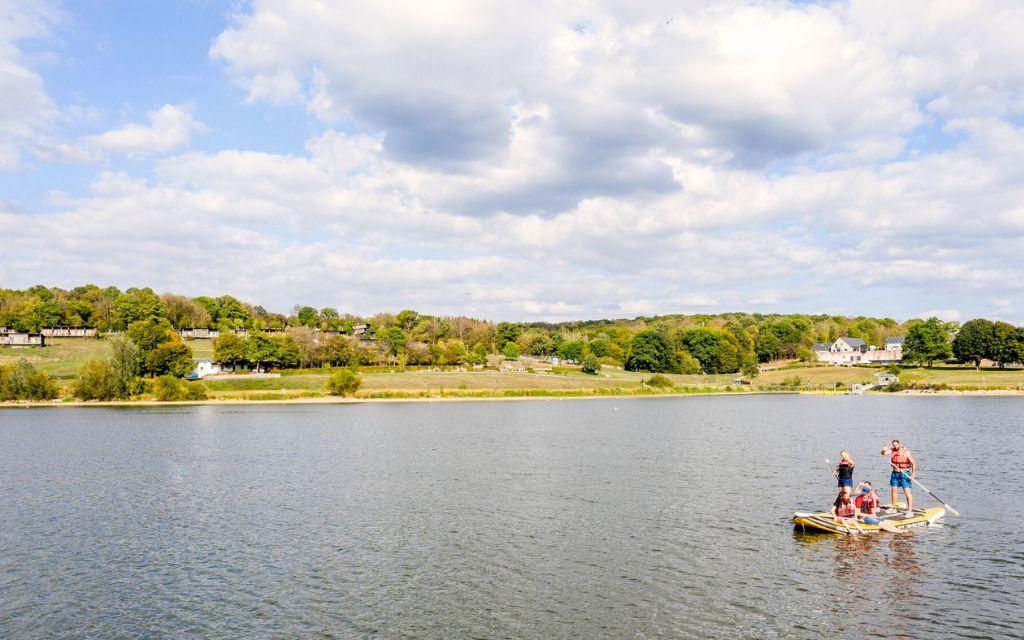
x,y
22,339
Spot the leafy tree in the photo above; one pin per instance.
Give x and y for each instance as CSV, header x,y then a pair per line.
x,y
97,380
927,342
308,316
507,332
182,311
288,356
974,341
21,381
590,364
232,313
172,357
125,360
393,339
338,352
135,305
599,346
406,319
651,351
230,350
1007,344
718,351
329,313
572,350
262,351
344,383
148,334
687,363
511,350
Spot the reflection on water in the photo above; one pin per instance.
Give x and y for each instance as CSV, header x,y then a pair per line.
x,y
565,519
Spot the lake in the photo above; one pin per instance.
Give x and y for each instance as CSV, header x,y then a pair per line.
x,y
617,518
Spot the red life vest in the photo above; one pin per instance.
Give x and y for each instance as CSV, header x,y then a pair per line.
x,y
900,459
867,503
845,510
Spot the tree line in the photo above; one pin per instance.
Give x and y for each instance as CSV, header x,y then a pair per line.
x,y
708,343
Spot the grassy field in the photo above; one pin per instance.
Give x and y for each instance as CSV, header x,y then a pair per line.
x,y
63,357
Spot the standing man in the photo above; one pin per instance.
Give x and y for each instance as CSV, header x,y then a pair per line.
x,y
903,469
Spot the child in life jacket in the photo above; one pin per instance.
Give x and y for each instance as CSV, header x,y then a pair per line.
x,y
844,508
867,502
844,472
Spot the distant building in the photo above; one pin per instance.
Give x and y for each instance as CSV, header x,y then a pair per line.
x,y
195,333
849,351
513,365
894,343
241,333
69,332
884,378
205,367
22,339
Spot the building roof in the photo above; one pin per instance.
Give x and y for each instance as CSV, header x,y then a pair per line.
x,y
894,340
853,342
820,346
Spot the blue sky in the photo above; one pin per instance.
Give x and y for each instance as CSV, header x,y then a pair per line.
x,y
574,160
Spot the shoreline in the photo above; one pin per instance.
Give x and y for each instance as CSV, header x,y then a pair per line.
x,y
494,398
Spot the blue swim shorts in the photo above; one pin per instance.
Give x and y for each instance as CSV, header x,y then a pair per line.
x,y
846,482
900,479
871,520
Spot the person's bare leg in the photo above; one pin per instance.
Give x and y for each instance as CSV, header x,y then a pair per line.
x,y
910,499
892,500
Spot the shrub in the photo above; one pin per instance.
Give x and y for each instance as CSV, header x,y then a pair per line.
x,y
97,380
793,381
168,388
21,381
195,391
344,383
658,381
590,364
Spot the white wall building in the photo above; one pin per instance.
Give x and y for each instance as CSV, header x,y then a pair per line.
x,y
849,352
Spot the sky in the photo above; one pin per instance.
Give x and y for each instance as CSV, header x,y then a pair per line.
x,y
521,160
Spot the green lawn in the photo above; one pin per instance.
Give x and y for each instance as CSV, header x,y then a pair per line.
x,y
61,357
969,376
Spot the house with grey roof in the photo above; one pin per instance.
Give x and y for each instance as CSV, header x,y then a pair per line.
x,y
848,351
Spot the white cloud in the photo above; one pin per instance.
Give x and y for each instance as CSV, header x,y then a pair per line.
x,y
170,127
946,315
583,160
26,109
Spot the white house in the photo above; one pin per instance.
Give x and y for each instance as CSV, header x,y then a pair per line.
x,y
847,351
206,367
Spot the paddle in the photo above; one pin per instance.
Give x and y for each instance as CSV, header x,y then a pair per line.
x,y
914,480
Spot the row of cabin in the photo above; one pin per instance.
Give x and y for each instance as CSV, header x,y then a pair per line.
x,y
361,331
11,338
847,351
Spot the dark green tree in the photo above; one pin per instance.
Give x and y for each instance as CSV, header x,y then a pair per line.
x,y
927,342
651,351
974,341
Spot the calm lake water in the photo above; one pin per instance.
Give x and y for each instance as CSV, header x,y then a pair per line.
x,y
538,519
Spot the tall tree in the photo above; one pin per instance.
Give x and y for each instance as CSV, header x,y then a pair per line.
x,y
651,351
974,341
230,350
927,342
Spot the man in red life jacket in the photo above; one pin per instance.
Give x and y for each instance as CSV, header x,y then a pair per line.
x,y
904,467
867,502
